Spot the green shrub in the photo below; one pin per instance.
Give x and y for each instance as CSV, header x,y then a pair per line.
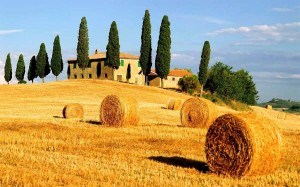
x,y
22,82
189,83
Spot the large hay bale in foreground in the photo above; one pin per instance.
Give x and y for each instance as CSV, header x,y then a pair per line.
x,y
119,111
243,144
174,104
73,110
198,113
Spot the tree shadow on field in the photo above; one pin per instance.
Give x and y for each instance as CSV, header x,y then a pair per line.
x,y
58,117
182,162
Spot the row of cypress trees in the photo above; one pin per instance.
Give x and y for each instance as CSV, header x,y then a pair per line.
x,y
38,66
163,53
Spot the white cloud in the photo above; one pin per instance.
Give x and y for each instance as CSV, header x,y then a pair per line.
x,y
5,32
181,56
282,10
289,32
288,76
214,20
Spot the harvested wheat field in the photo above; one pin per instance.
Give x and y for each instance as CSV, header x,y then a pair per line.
x,y
39,147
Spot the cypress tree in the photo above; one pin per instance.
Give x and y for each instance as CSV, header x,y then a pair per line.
x,y
56,60
42,63
163,52
31,74
83,45
20,70
113,47
205,56
128,73
146,49
8,69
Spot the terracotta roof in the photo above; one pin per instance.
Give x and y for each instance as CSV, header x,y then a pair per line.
x,y
100,55
179,73
173,72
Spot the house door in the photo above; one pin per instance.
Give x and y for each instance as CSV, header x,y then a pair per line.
x,y
119,77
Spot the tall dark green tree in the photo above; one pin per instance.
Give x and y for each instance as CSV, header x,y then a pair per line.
x,y
31,74
8,69
163,52
128,72
146,48
205,57
42,63
83,45
113,47
20,70
56,60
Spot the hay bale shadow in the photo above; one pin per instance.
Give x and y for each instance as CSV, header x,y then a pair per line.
x,y
92,122
182,162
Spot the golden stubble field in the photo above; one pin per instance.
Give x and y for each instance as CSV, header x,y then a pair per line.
x,y
40,148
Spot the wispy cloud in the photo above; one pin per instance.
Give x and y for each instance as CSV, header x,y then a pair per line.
x,y
279,32
208,19
288,76
5,32
282,10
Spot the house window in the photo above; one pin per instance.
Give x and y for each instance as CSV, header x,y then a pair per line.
x,y
121,62
173,78
139,65
81,75
105,75
75,76
74,65
90,76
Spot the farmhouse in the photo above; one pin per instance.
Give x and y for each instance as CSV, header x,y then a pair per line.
x,y
172,79
98,69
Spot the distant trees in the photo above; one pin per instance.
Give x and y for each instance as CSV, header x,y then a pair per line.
x,y
56,60
42,63
8,69
128,72
113,47
146,48
163,52
20,70
31,74
83,45
231,85
205,56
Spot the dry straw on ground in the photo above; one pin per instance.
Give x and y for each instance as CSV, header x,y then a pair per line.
x,y
73,110
119,111
174,104
198,113
243,144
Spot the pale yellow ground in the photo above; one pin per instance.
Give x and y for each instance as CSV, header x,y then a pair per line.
x,y
40,148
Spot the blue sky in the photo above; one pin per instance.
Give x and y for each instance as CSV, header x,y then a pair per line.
x,y
261,36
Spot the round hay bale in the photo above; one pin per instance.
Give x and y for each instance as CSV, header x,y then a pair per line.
x,y
119,111
269,107
174,104
198,113
73,110
243,144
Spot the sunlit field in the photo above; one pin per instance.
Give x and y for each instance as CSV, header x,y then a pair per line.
x,y
38,147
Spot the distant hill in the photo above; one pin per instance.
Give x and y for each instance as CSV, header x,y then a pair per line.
x,y
287,105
